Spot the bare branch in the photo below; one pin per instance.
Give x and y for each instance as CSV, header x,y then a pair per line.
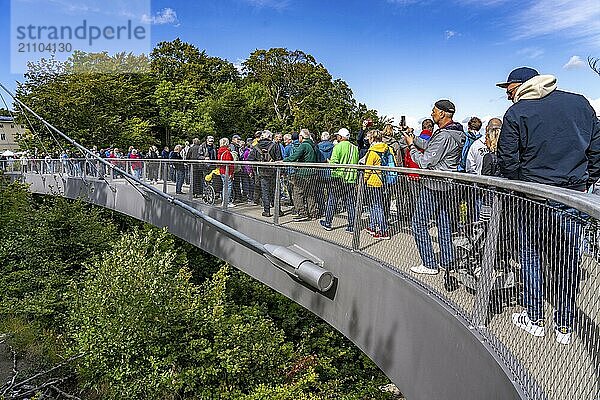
x,y
39,388
64,394
15,371
62,364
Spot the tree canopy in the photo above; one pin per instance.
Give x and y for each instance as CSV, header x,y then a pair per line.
x,y
141,314
179,92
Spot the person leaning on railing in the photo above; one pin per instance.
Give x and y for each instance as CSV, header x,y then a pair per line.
x,y
303,180
153,166
442,153
375,181
178,167
266,151
137,165
292,141
551,137
343,181
226,171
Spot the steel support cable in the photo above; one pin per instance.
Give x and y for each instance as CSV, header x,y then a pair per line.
x,y
285,259
12,116
35,133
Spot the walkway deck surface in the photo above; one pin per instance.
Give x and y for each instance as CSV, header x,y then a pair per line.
x,y
561,371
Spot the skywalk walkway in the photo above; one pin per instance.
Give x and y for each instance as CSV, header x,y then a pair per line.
x,y
436,337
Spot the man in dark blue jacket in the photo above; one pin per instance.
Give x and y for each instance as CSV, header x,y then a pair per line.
x,y
551,137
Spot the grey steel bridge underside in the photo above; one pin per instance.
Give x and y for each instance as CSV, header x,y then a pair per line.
x,y
421,344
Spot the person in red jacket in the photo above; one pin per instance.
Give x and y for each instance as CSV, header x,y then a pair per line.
x,y
224,154
427,130
136,166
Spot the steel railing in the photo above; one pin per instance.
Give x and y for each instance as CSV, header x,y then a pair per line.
x,y
503,246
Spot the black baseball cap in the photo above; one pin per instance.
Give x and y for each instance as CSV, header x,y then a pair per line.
x,y
519,75
445,105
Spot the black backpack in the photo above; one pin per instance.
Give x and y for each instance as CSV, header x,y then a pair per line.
x,y
318,155
264,154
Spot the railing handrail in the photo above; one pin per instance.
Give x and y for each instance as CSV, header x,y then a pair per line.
x,y
584,202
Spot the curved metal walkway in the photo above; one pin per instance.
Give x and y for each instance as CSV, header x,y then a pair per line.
x,y
433,343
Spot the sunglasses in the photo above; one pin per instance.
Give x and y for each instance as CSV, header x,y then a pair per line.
x,y
510,92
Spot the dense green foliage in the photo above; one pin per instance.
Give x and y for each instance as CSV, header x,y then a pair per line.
x,y
43,246
54,235
151,316
154,317
180,92
148,332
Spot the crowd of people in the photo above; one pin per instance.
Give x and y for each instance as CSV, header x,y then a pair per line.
x,y
547,136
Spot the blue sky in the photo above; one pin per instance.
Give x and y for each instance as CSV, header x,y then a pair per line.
x,y
398,56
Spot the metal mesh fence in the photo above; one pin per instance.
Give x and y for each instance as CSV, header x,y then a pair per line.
x,y
523,270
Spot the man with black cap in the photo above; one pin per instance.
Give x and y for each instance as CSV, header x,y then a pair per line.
x,y
552,137
442,153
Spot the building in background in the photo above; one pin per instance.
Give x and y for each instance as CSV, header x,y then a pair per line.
x,y
10,132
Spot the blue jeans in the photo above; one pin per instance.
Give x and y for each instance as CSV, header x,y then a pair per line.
x,y
377,220
430,204
247,186
340,190
179,177
552,235
229,183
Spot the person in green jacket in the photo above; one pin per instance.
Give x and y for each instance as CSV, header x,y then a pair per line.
x,y
343,181
304,196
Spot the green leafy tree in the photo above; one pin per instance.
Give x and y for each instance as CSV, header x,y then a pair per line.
x,y
189,90
182,111
287,77
91,107
148,332
258,106
103,63
229,110
177,61
43,246
326,363
301,93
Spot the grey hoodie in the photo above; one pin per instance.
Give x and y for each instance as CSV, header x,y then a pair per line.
x,y
444,149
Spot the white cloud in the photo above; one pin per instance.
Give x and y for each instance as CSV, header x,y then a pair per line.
x,y
164,16
80,7
531,52
238,64
411,121
579,20
575,62
450,34
403,2
485,3
596,105
276,4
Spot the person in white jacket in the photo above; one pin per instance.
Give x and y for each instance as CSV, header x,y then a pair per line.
x,y
479,149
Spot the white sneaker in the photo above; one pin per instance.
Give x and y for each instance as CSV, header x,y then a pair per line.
x,y
231,205
421,269
563,334
534,328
